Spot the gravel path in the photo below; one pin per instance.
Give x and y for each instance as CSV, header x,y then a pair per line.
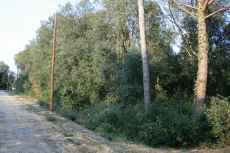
x,y
24,132
27,128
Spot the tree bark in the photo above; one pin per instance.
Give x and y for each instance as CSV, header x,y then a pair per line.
x,y
202,73
144,52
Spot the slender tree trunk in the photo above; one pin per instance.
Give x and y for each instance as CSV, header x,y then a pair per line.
x,y
202,72
145,62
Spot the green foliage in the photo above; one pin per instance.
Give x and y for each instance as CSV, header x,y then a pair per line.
x,y
98,74
4,70
97,60
22,84
130,89
219,57
170,124
174,126
218,114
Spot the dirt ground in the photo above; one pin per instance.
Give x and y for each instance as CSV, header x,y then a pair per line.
x,y
27,128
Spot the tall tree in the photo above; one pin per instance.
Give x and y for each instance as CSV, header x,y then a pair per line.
x,y
144,52
200,10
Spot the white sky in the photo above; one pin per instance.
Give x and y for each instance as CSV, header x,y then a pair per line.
x,y
19,21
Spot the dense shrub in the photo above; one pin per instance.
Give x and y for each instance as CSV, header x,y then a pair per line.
x,y
22,84
165,124
170,125
218,114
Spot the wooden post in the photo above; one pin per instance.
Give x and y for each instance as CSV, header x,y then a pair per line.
x,y
52,67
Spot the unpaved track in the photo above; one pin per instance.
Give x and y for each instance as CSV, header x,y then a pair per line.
x,y
24,132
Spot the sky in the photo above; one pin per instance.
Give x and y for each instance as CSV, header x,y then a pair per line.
x,y
19,21
176,44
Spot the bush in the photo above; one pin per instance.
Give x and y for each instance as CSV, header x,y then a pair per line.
x,y
218,114
166,123
171,124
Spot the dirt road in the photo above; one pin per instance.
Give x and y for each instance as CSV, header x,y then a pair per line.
x,y
24,132
27,128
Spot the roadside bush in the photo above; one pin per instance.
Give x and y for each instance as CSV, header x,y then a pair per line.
x,y
171,124
23,85
110,118
218,114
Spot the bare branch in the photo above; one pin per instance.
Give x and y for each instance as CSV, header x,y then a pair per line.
x,y
205,4
190,51
218,11
210,2
183,7
189,6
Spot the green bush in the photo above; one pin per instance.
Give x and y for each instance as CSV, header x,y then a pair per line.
x,y
171,124
108,116
218,114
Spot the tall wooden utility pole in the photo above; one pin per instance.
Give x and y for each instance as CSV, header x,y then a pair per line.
x,y
52,67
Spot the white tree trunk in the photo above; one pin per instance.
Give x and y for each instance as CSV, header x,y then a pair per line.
x,y
145,62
